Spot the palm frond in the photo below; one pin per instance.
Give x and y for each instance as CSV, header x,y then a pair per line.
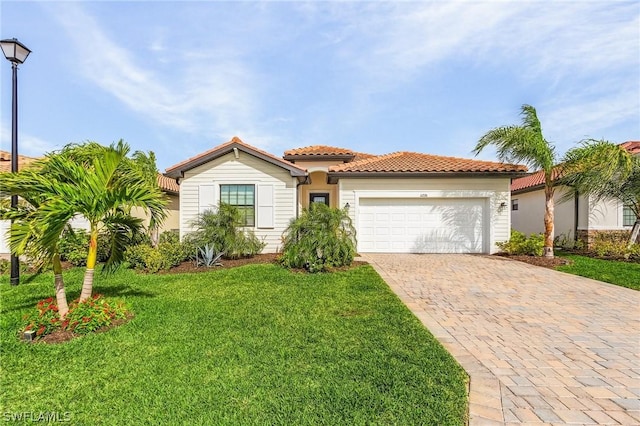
x,y
602,169
121,228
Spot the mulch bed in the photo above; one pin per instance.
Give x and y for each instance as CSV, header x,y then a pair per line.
x,y
272,258
60,336
190,266
545,262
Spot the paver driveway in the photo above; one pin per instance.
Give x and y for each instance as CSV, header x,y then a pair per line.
x,y
540,346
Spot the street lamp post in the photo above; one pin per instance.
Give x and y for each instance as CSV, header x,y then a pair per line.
x,y
16,53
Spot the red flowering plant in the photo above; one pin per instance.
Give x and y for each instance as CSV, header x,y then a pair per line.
x,y
92,314
46,318
82,318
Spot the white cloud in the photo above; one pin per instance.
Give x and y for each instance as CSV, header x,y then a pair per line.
x,y
584,55
206,95
28,145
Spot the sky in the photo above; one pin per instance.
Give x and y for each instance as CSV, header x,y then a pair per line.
x,y
179,78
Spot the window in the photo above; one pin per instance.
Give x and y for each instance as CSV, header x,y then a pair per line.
x,y
514,204
628,218
244,198
319,198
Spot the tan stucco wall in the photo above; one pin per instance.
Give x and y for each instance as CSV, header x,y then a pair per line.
x,y
172,222
319,185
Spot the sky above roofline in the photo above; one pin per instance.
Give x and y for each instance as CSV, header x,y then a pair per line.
x,y
179,78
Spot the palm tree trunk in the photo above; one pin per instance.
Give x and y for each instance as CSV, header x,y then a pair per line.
x,y
635,233
87,283
548,221
61,295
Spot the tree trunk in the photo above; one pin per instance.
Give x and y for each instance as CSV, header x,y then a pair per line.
x,y
635,233
87,283
61,295
548,221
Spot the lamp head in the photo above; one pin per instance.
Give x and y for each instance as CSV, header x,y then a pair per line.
x,y
14,51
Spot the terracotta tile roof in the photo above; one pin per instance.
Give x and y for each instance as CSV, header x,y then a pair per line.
x,y
5,161
320,150
537,179
362,156
631,146
178,169
167,184
533,180
413,162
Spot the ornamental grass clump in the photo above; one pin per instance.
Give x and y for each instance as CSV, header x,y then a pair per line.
x,y
319,239
82,318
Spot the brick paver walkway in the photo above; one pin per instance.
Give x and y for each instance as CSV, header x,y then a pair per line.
x,y
540,346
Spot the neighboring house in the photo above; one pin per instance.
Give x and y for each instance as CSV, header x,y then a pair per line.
x,y
402,202
5,166
579,218
172,192
168,186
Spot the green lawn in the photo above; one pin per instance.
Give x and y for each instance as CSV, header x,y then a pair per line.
x,y
625,274
252,345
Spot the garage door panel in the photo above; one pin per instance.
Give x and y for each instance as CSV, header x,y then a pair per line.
x,y
447,225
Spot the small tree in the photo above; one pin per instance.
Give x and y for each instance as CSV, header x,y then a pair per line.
x,y
605,171
35,189
526,144
320,238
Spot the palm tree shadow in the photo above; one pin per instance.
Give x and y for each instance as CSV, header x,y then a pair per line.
x,y
122,291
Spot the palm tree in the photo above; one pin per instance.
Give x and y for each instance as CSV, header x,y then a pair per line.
x,y
605,171
98,182
34,188
526,144
102,185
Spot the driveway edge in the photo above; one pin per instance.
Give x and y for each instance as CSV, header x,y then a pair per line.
x,y
484,392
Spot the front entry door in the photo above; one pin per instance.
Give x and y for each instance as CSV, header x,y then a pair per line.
x,y
319,197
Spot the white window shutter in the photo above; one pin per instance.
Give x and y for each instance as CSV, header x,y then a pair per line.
x,y
265,210
207,198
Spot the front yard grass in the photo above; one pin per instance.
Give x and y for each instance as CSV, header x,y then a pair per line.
x,y
625,274
251,345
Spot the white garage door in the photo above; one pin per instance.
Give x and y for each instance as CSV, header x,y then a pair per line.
x,y
420,225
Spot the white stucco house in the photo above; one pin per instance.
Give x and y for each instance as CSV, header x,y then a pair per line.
x,y
403,202
581,217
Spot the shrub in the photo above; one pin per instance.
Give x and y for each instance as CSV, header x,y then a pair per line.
x,y
615,249
320,238
74,247
222,230
5,266
174,253
82,318
169,253
519,244
145,258
169,237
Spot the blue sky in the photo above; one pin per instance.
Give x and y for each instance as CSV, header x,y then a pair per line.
x,y
178,78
